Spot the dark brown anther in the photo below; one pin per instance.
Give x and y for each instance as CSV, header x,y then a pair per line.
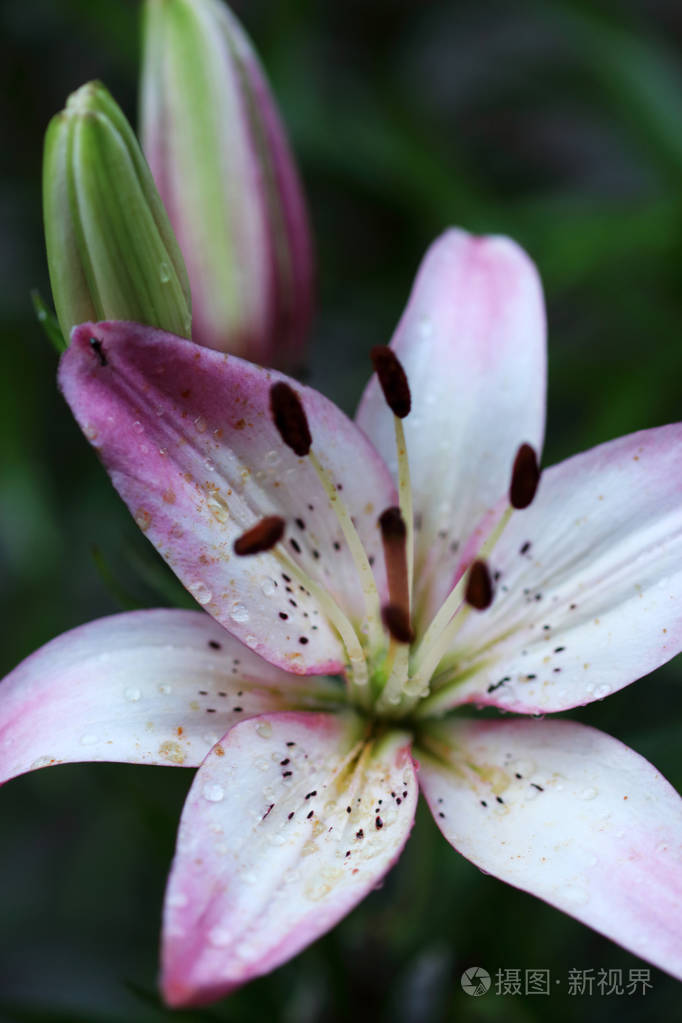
x,y
261,537
397,621
97,348
290,418
393,381
392,525
524,478
479,591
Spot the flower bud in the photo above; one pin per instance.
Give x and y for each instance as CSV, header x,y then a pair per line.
x,y
111,250
221,161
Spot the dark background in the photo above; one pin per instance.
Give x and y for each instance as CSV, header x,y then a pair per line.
x,y
559,123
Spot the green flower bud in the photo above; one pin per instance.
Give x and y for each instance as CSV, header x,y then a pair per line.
x,y
220,157
111,251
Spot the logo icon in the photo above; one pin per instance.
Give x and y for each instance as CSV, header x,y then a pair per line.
x,y
475,981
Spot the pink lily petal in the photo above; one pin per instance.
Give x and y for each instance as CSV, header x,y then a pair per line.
x,y
187,437
589,594
269,856
571,815
472,342
147,687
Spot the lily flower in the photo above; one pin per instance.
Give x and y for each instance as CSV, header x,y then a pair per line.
x,y
366,583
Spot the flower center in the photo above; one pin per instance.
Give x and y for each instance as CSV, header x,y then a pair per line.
x,y
389,668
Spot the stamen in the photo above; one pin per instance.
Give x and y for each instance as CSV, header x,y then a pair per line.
x,y
262,537
394,537
479,588
525,477
396,390
292,423
357,551
290,418
392,380
358,665
397,621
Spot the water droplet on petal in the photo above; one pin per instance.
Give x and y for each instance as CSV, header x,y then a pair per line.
x,y
177,900
602,691
46,761
574,894
200,592
89,739
219,937
588,793
138,427
200,424
164,273
214,793
239,613
264,729
131,694
267,587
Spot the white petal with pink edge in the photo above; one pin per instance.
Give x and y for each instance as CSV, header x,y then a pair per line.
x,y
569,814
472,342
145,687
187,437
288,825
588,583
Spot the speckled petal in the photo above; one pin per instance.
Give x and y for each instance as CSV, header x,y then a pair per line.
x,y
571,815
147,687
472,342
187,437
588,583
282,834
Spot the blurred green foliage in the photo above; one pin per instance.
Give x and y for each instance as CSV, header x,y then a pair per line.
x,y
556,121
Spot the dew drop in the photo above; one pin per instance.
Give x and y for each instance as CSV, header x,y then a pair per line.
x,y
239,613
164,273
132,695
210,464
277,840
425,327
602,691
219,937
200,592
143,519
267,587
214,793
264,729
89,739
218,509
178,900
588,793
315,892
200,424
138,427
272,458
575,895
91,432
46,761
